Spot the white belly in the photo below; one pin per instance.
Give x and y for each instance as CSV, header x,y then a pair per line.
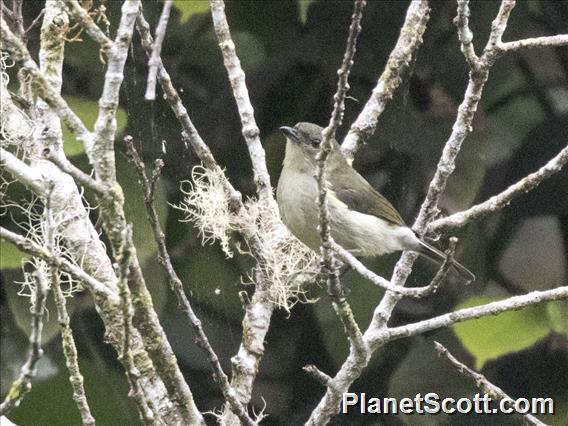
x,y
362,234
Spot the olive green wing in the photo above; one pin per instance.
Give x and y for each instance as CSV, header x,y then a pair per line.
x,y
358,195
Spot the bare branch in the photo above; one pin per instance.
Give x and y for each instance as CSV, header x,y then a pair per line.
x,y
236,74
177,287
317,374
41,86
125,355
499,201
22,385
482,383
82,16
29,176
155,61
446,320
102,154
35,21
334,287
419,292
352,368
28,246
190,133
68,343
399,60
259,311
465,35
80,177
70,352
529,43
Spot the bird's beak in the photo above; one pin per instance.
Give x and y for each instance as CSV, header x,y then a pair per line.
x,y
290,132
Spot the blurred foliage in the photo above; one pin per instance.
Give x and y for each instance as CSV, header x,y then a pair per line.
x,y
87,110
491,337
188,8
290,51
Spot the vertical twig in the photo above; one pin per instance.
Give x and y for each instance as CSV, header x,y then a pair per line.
x,y
408,42
335,289
176,285
22,385
259,311
155,61
236,74
68,343
125,355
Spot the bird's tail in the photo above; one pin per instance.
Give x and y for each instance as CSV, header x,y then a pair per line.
x,y
437,256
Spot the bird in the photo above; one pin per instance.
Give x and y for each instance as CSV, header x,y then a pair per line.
x,y
361,220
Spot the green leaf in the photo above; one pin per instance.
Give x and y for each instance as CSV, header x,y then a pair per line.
x,y
188,8
10,256
491,337
87,110
557,313
303,6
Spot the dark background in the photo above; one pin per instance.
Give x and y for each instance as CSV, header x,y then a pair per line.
x,y
291,75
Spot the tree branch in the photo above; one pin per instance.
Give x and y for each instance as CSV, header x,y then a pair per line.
x,y
499,201
259,311
22,385
419,292
408,42
155,61
484,385
529,43
177,286
236,74
446,320
334,287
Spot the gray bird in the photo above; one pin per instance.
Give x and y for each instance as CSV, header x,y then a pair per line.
x,y
361,220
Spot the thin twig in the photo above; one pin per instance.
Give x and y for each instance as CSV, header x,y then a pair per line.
x,y
125,355
329,266
493,308
419,292
22,385
155,61
461,21
29,246
259,311
483,384
80,176
529,43
190,133
80,15
68,342
70,352
502,199
408,42
102,157
177,286
236,74
319,375
35,21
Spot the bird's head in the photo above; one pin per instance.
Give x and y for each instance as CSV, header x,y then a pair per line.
x,y
303,142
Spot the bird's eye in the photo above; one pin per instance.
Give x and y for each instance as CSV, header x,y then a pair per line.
x,y
315,143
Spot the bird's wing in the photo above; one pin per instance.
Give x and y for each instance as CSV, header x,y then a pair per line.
x,y
357,194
